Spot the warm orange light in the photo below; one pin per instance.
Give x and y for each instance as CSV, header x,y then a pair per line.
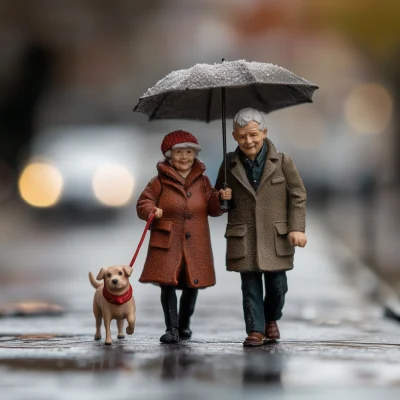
x,y
369,108
113,185
40,185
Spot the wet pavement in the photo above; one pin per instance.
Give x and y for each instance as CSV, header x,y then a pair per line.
x,y
335,341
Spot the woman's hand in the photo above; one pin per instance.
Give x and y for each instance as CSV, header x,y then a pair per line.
x,y
157,212
225,194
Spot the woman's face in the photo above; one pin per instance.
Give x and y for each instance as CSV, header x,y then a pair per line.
x,y
182,159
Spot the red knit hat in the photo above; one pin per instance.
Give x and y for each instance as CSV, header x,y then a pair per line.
x,y
178,139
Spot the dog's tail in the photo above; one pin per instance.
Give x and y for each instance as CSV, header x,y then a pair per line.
x,y
93,281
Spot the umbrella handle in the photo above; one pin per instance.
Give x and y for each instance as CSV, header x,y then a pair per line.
x,y
225,205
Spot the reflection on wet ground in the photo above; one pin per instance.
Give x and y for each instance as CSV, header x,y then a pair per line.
x,y
106,360
213,369
263,368
170,364
251,367
202,360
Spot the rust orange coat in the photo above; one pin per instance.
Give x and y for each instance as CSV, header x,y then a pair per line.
x,y
182,235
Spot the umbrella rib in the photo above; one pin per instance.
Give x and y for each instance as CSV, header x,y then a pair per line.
x,y
153,114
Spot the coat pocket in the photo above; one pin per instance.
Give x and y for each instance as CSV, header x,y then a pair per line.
x,y
161,234
282,245
280,179
235,241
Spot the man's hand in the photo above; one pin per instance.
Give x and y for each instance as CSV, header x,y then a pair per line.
x,y
225,194
157,212
297,238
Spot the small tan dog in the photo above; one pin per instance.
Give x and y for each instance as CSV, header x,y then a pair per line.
x,y
113,300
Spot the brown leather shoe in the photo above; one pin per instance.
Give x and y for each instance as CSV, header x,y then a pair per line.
x,y
254,339
272,331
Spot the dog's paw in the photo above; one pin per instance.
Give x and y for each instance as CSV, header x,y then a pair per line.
x,y
108,343
130,329
121,337
97,337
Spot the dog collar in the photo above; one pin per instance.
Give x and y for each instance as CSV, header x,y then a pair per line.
x,y
117,300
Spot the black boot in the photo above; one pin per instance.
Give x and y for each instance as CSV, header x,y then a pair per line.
x,y
170,308
170,336
186,310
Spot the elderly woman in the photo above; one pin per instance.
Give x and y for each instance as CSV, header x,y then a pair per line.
x,y
179,254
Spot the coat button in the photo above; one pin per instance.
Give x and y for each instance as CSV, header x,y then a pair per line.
x,y
187,235
188,194
196,281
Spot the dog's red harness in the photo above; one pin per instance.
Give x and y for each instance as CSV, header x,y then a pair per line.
x,y
117,300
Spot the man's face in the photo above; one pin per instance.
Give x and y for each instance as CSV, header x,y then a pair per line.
x,y
249,138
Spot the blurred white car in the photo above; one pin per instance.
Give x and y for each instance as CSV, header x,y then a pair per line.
x,y
85,167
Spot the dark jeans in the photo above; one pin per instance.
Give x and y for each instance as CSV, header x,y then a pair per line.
x,y
258,311
170,307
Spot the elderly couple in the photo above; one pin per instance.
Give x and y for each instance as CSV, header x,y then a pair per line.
x,y
266,220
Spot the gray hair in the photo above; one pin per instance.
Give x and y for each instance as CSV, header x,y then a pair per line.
x,y
246,115
187,145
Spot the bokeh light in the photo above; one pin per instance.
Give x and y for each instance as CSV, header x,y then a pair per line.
x,y
113,185
40,185
369,108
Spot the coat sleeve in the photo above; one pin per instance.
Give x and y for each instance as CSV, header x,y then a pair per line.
x,y
149,198
214,207
296,196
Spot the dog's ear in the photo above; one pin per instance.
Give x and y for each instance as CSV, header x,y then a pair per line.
x,y
101,274
128,270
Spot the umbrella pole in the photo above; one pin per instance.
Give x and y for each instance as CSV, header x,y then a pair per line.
x,y
224,203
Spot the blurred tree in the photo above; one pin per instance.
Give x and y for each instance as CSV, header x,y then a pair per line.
x,y
374,26
90,39
260,17
18,101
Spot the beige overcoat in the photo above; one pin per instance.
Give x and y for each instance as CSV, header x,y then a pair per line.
x,y
259,221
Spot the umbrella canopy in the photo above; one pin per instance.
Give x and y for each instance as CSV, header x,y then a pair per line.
x,y
195,93
211,91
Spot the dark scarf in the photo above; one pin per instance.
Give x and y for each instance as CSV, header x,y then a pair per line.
x,y
117,300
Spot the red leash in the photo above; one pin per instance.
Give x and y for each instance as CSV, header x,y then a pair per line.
x,y
151,217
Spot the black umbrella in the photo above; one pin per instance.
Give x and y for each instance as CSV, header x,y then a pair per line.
x,y
210,91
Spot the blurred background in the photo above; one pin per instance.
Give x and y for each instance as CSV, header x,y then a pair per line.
x,y
74,157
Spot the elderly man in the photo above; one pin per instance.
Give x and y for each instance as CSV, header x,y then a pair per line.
x,y
266,221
